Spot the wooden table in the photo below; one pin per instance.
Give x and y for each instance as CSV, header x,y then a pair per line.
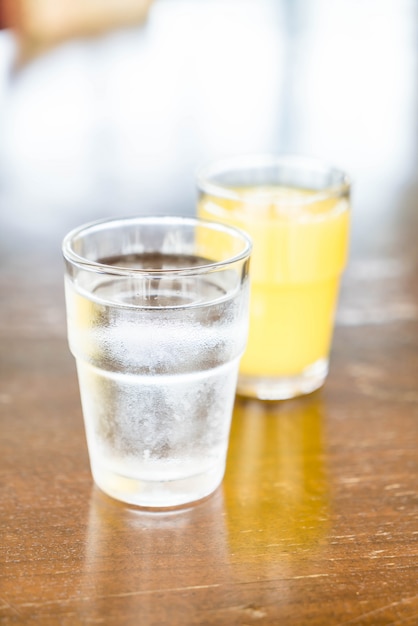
x,y
317,519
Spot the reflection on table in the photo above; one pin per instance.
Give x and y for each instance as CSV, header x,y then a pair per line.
x,y
276,473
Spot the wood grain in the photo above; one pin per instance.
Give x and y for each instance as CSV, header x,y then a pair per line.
x,y
316,522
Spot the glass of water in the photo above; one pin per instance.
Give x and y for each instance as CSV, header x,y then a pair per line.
x,y
157,311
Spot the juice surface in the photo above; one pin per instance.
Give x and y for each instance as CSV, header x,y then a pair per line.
x,y
300,242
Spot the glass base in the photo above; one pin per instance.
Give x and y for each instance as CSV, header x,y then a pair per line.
x,y
284,387
158,494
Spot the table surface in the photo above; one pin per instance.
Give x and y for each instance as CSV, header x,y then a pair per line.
x,y
316,521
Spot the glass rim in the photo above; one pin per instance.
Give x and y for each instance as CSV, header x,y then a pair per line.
x,y
95,266
258,161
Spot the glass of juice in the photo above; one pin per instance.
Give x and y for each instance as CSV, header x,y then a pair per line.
x,y
296,211
157,312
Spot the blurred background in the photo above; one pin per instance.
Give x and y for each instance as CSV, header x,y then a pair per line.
x,y
111,112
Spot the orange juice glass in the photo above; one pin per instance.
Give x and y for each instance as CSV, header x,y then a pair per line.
x,y
297,212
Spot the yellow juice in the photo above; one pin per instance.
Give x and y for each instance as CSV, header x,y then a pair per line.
x,y
300,242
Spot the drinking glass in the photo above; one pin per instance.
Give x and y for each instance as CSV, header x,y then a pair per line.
x,y
296,211
157,311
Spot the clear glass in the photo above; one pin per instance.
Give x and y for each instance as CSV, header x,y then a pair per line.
x,y
157,312
296,211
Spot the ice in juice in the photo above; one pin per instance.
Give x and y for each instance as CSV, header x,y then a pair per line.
x,y
300,241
